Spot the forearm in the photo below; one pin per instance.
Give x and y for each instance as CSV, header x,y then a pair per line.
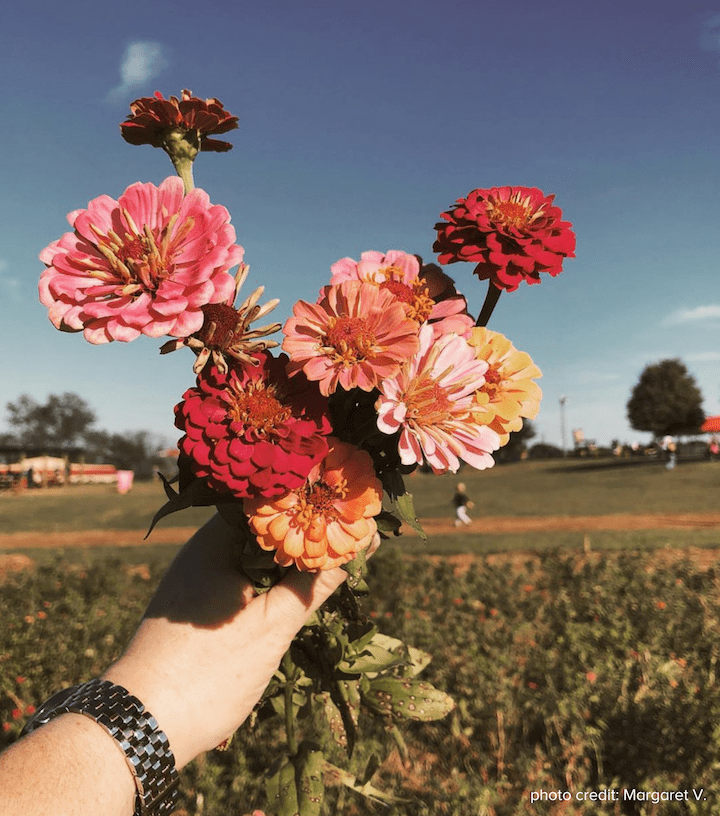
x,y
69,767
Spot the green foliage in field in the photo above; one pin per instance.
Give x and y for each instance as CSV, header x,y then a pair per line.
x,y
569,675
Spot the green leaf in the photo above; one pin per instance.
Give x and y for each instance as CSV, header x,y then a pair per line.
x,y
356,570
407,699
373,658
363,788
310,785
406,508
333,718
282,791
195,493
388,522
392,482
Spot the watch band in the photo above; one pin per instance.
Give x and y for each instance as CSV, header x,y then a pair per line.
x,y
136,731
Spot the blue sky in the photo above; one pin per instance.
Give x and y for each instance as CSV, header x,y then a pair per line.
x,y
359,124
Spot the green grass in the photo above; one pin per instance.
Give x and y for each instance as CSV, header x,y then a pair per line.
x,y
573,488
522,489
91,507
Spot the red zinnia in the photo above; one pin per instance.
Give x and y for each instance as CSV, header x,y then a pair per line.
x,y
249,431
511,233
153,118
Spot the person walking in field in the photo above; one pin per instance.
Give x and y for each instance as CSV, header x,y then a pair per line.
x,y
462,504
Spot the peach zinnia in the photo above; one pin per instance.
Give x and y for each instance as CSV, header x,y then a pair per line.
x,y
399,273
329,519
509,392
511,233
429,403
354,337
144,264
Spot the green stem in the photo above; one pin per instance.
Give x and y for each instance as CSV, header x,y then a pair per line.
x,y
491,299
288,668
183,167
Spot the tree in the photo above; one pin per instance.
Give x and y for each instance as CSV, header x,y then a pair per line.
x,y
137,451
517,444
666,401
60,422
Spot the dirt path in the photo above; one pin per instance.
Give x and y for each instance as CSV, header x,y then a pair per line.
x,y
482,526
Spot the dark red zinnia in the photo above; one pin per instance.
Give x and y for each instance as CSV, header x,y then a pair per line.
x,y
153,118
511,233
249,432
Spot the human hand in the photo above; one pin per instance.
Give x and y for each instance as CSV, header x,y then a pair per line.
x,y
208,645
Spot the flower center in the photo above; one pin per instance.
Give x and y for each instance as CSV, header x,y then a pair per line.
x,y
219,326
428,403
511,213
318,499
493,378
415,298
142,259
350,338
256,406
401,291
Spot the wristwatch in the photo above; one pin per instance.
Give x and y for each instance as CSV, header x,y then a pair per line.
x,y
146,748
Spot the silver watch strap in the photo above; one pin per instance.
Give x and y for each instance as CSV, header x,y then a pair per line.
x,y
136,731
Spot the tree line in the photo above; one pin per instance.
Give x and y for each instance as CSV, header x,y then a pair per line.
x,y
66,422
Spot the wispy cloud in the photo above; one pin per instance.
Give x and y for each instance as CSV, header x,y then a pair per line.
x,y
710,34
141,62
710,311
10,285
703,357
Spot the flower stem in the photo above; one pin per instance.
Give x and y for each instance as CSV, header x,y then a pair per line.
x,y
183,167
288,668
491,299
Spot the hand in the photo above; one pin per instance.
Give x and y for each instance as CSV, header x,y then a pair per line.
x,y
208,646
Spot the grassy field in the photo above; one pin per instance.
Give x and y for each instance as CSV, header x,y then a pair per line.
x,y
574,488
523,489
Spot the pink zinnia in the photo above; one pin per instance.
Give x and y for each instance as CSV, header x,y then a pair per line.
x,y
511,233
250,431
354,337
399,273
430,402
144,264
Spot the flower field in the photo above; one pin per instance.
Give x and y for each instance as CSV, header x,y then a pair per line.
x,y
570,674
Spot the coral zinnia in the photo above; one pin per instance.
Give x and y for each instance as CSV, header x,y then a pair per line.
x,y
153,119
326,521
355,336
511,233
399,273
509,392
144,264
249,431
429,403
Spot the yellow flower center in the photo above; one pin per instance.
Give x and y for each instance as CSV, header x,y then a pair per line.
x,y
428,402
256,406
511,213
493,378
141,259
415,297
350,339
318,500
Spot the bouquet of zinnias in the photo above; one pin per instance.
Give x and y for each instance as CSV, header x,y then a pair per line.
x,y
385,371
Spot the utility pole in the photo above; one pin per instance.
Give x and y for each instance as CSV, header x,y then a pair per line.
x,y
562,423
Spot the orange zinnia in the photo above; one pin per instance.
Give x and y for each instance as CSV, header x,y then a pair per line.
x,y
509,392
328,520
